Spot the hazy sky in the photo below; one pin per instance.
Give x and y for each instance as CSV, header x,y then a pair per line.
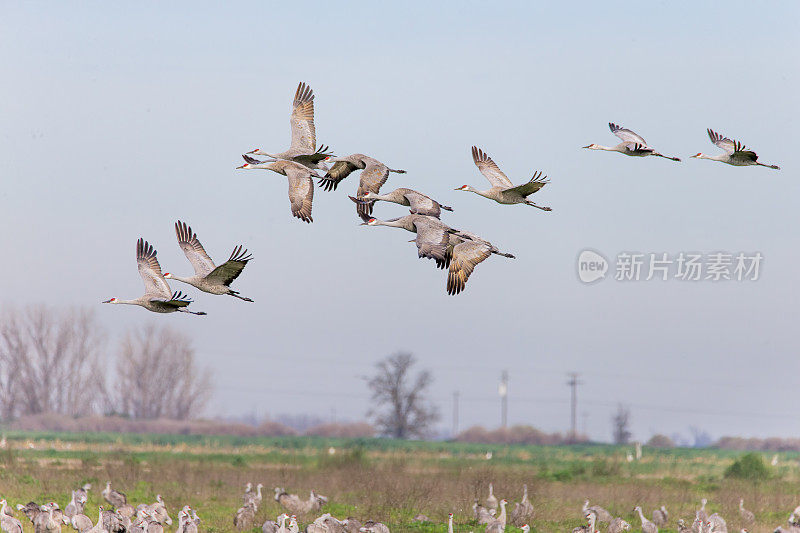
x,y
118,120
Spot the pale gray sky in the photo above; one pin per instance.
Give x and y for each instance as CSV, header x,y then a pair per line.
x,y
118,120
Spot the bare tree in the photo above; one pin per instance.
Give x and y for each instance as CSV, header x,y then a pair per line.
x,y
401,409
157,376
49,362
620,423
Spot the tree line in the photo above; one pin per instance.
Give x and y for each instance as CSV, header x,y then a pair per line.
x,y
61,361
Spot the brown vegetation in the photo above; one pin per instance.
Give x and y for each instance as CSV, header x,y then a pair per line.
x,y
514,435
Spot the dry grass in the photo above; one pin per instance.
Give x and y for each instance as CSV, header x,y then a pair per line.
x,y
394,485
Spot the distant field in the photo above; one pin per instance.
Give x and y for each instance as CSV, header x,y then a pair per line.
x,y
390,481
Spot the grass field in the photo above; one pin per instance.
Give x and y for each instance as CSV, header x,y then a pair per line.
x,y
390,481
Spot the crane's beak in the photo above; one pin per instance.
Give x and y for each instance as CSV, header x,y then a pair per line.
x,y
587,146
243,166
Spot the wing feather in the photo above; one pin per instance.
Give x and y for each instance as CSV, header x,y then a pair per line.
x,y
490,169
465,256
729,145
626,135
301,192
230,269
536,182
193,250
304,135
432,239
154,283
371,180
339,171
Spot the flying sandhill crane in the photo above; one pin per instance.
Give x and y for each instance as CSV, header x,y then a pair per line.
x,y
491,500
647,525
735,154
502,190
661,517
420,204
632,144
303,149
747,516
158,297
8,524
602,514
301,186
207,276
372,178
114,497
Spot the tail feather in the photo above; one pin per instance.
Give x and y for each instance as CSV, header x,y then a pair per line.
x,y
446,207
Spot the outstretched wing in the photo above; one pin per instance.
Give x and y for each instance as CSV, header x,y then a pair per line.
x,y
432,239
371,180
465,257
421,204
490,169
626,135
193,250
536,182
339,171
301,192
729,145
304,136
177,299
230,269
154,283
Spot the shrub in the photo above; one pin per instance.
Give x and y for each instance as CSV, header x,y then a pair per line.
x,y
749,466
661,441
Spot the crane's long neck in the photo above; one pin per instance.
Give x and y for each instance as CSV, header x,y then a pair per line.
x,y
641,515
502,516
592,519
525,493
450,525
491,490
585,506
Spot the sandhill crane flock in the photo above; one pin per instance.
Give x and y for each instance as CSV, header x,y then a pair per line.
x,y
489,515
454,249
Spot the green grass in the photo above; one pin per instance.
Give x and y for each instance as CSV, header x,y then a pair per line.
x,y
388,480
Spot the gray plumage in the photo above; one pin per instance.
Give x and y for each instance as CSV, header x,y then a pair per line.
x,y
207,276
301,185
374,174
502,190
419,204
158,297
632,144
303,149
735,153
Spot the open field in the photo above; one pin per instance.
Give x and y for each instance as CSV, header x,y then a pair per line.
x,y
387,480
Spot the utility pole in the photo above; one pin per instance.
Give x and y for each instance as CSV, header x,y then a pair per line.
x,y
455,413
573,383
503,390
